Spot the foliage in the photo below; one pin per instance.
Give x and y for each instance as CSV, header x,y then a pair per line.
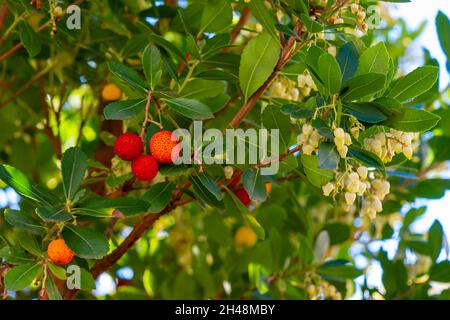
x,y
308,68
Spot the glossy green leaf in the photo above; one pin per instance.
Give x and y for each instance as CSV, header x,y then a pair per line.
x,y
415,120
125,109
158,196
217,15
317,176
24,221
85,242
128,75
21,277
362,86
151,62
258,61
53,214
189,108
374,60
73,166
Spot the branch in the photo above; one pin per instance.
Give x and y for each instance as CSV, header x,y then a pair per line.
x,y
285,56
3,15
241,23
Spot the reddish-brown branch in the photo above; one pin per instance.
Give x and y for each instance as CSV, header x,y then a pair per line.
x,y
240,24
3,15
285,56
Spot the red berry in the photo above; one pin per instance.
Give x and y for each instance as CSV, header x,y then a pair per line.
x,y
163,144
128,146
242,194
144,167
236,180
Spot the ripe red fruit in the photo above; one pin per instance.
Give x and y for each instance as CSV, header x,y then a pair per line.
x,y
236,180
128,146
242,194
144,167
163,144
59,252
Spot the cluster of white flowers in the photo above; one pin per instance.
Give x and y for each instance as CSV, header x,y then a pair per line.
x,y
306,83
284,89
342,140
352,184
387,144
360,13
322,290
309,139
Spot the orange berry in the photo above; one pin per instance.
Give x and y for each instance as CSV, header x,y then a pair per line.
x,y
163,144
111,92
245,237
59,252
268,187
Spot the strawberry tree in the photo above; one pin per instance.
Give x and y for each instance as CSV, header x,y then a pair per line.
x,y
94,98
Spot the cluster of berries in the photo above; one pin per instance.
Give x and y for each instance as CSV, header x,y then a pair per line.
x,y
309,139
342,140
284,89
306,83
164,149
360,14
351,184
322,290
387,144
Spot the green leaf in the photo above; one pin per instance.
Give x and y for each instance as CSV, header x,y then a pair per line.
x,y
168,46
264,16
14,256
189,108
330,73
158,196
151,62
366,157
23,186
435,239
440,272
338,232
414,84
126,205
128,75
200,89
30,39
362,86
30,244
203,194
374,60
21,277
58,271
414,120
339,270
87,282
52,289
366,112
53,214
318,177
208,182
256,226
258,61
310,24
328,156
24,221
348,59
73,166
217,15
124,109
443,28
255,184
85,243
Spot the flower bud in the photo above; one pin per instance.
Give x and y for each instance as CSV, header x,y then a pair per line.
x,y
308,149
327,189
350,198
362,172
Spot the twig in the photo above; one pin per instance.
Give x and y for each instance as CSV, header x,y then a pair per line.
x,y
20,44
42,292
240,24
3,15
285,56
